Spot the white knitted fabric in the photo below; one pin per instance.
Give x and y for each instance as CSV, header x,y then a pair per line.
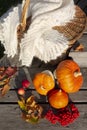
x,y
8,30
40,40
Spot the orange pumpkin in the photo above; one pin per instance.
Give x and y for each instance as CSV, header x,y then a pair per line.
x,y
69,76
43,82
58,98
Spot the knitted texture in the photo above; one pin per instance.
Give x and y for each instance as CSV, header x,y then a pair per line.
x,y
8,32
42,40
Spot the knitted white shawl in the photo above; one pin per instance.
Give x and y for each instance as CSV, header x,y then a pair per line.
x,y
40,40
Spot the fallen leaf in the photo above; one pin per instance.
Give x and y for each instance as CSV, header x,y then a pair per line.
x,y
4,81
22,105
10,71
80,48
5,89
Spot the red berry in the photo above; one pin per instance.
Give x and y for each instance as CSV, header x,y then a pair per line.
x,y
25,83
21,91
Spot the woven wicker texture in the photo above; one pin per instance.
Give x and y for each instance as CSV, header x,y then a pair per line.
x,y
45,29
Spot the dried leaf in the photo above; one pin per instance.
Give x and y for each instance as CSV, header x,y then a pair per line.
x,y
32,120
1,76
10,71
22,99
80,48
2,69
29,118
30,99
22,105
31,111
4,81
5,89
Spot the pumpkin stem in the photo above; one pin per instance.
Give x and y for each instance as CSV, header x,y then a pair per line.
x,y
60,90
76,74
42,87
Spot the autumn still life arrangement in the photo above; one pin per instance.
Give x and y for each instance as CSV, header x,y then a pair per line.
x,y
47,33
68,79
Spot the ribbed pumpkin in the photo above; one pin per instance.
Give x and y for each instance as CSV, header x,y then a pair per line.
x,y
43,82
69,76
58,98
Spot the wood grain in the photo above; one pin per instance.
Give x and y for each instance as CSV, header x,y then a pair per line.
x,y
10,118
16,82
80,58
12,97
10,114
83,41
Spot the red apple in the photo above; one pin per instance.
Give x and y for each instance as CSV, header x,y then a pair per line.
x,y
25,83
21,91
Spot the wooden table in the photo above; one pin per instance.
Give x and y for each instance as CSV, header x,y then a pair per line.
x,y
10,114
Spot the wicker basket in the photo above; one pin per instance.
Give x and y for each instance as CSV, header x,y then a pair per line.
x,y
24,22
72,31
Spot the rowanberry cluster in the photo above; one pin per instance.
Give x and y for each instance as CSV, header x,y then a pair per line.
x,y
64,116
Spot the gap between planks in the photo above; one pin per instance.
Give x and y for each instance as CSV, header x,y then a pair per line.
x,y
11,96
11,119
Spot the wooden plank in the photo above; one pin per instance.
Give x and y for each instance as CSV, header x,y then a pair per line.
x,y
80,96
10,118
7,61
34,71
16,82
80,58
84,73
83,41
22,74
12,97
25,73
85,31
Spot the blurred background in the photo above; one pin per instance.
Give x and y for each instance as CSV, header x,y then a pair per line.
x,y
6,4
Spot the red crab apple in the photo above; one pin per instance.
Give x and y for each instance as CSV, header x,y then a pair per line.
x,y
21,91
25,83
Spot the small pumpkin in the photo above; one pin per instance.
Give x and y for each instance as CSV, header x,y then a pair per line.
x,y
69,76
58,98
43,82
